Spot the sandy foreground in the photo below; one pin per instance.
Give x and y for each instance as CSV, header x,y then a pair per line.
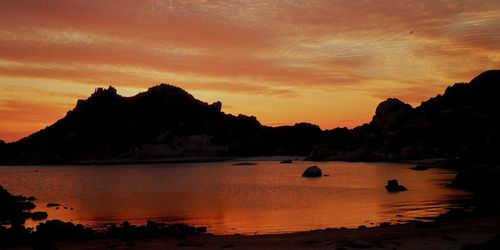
x,y
457,234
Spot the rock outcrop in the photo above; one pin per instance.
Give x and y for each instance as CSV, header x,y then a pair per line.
x,y
463,122
394,186
15,209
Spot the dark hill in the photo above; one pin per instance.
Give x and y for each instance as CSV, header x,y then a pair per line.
x,y
166,123
464,122
163,123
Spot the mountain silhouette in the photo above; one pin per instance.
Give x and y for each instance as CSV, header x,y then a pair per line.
x,y
163,123
462,122
166,123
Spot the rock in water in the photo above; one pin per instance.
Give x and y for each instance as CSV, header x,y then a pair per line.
x,y
393,186
312,171
53,204
420,168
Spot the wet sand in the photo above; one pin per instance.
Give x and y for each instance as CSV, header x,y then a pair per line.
x,y
456,234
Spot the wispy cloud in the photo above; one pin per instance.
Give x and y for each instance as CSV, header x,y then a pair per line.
x,y
283,51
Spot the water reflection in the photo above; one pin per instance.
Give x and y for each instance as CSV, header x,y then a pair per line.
x,y
266,198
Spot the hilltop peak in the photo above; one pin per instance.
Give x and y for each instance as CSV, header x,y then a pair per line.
x,y
391,105
164,88
163,123
110,91
488,80
166,92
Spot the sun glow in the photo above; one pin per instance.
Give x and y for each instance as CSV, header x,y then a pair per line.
x,y
326,62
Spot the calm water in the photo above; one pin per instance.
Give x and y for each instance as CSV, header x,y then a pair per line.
x,y
267,198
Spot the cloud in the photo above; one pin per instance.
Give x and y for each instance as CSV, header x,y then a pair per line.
x,y
20,118
141,20
282,50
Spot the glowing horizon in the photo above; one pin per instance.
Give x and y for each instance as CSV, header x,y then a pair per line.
x,y
285,61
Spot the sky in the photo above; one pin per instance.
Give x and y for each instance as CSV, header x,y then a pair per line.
x,y
328,62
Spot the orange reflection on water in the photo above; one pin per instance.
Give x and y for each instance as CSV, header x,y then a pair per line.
x,y
267,198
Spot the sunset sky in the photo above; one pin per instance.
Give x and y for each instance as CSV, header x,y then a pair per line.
x,y
326,62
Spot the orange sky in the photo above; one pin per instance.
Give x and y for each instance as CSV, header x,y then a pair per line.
x,y
327,62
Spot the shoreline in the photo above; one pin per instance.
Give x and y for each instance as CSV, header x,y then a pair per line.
x,y
434,162
456,233
457,229
171,160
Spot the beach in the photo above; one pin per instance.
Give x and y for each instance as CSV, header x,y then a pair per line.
x,y
452,234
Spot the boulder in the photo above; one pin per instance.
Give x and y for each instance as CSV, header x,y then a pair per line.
x,y
393,186
53,204
14,209
36,216
390,115
312,171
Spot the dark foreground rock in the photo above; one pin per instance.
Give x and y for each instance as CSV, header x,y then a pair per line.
x,y
394,186
152,229
39,216
457,234
14,210
484,179
312,171
56,230
491,244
